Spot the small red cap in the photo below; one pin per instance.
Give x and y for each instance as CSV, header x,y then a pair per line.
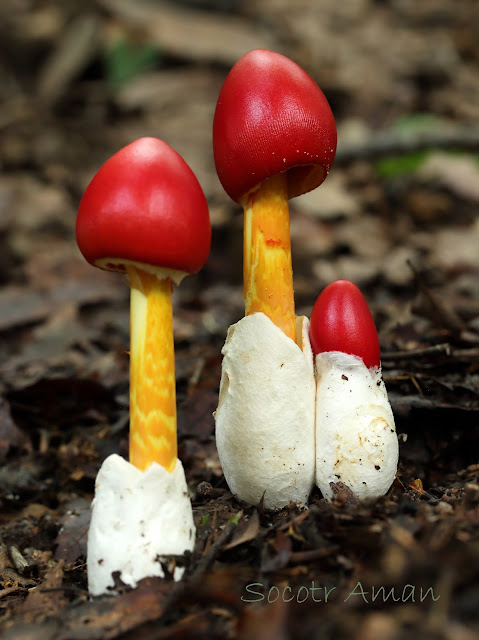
x,y
341,321
145,205
271,117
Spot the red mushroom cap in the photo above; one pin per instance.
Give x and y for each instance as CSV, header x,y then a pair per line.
x,y
271,117
146,206
341,321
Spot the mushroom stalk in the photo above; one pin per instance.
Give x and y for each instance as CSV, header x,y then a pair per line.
x,y
267,266
152,372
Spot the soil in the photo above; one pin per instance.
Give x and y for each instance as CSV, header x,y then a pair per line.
x,y
397,215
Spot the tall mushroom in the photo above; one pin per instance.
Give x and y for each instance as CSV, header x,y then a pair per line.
x,y
144,214
356,440
274,138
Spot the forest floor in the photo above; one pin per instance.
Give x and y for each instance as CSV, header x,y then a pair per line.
x,y
397,215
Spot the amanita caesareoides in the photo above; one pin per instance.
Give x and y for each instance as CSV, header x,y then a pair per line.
x,y
274,138
356,441
265,416
144,214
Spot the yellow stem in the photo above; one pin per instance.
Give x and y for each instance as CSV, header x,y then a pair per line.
x,y
152,372
267,267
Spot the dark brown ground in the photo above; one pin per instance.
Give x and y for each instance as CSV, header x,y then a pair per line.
x,y
78,80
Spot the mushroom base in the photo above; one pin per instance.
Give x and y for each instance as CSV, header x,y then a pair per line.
x,y
265,418
138,518
356,441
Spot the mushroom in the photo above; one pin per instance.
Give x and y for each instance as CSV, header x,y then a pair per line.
x,y
274,138
356,441
144,214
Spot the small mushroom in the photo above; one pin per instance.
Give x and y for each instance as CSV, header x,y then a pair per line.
x,y
144,214
274,138
356,441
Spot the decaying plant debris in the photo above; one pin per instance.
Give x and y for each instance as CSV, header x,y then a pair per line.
x,y
403,226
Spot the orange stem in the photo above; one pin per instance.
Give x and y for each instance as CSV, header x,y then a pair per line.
x,y
152,372
267,266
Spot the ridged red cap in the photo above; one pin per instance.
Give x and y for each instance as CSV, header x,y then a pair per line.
x,y
271,117
145,205
341,321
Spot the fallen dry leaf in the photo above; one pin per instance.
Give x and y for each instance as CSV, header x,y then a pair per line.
x,y
459,174
40,600
194,34
72,537
246,531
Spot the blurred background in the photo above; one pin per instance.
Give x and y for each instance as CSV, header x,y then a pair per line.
x,y
80,80
397,215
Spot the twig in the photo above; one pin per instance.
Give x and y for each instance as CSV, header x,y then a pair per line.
x,y
386,144
417,353
468,354
7,591
299,557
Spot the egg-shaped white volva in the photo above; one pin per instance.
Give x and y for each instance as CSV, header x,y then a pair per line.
x,y
265,417
356,441
138,517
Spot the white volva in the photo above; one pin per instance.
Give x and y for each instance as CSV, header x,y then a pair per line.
x,y
265,416
138,517
356,441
